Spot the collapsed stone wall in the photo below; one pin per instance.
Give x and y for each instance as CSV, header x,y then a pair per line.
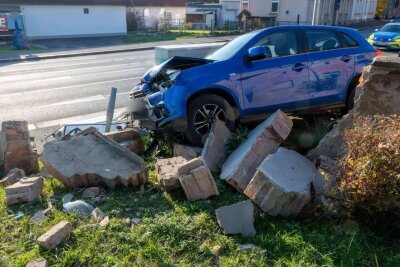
x,y
377,93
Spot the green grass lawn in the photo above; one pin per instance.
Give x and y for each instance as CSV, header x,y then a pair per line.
x,y
12,50
174,232
135,37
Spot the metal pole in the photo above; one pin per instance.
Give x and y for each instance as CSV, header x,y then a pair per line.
x,y
110,109
314,12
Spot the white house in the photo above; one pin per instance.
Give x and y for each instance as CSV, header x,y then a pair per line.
x,y
66,18
154,11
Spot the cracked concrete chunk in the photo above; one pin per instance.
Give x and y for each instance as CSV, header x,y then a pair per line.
x,y
281,185
128,138
12,177
215,149
188,152
55,235
105,221
237,218
27,189
264,140
98,215
78,206
196,180
38,263
93,160
167,172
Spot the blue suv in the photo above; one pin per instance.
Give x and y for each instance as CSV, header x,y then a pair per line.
x,y
292,68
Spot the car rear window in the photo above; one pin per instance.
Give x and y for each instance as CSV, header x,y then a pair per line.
x,y
321,40
347,40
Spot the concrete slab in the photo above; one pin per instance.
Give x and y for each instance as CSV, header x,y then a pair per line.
x,y
215,149
264,140
281,185
27,189
237,218
93,160
167,172
196,180
188,152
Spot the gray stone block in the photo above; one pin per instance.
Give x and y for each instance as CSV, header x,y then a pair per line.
x,y
93,160
188,152
196,180
264,140
237,218
55,235
281,185
167,172
27,189
215,149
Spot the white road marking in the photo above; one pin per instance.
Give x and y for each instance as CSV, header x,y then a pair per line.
x,y
75,101
2,79
63,87
92,117
60,66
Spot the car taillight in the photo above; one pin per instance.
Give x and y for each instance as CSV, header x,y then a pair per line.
x,y
378,53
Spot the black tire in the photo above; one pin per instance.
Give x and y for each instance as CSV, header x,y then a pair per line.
x,y
350,99
202,112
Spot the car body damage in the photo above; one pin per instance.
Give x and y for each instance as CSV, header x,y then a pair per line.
x,y
148,97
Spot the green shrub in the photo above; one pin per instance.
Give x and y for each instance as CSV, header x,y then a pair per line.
x,y
370,179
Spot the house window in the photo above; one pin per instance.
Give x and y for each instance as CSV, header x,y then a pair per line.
x,y
274,6
86,10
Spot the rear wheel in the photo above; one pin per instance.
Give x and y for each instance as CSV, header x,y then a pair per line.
x,y
350,99
202,112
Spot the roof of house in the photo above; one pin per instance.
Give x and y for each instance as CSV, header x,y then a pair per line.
x,y
67,2
179,3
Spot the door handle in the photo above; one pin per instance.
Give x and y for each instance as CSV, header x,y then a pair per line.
x,y
346,58
298,67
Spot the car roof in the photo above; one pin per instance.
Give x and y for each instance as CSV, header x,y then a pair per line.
x,y
312,27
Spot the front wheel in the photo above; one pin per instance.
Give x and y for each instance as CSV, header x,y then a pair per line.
x,y
202,112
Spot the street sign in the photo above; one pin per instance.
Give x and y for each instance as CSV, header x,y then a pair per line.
x,y
3,23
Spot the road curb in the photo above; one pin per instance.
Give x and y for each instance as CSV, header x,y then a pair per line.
x,y
55,56
89,53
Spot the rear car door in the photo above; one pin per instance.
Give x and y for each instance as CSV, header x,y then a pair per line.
x,y
281,79
331,67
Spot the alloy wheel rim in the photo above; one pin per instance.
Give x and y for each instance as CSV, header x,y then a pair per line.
x,y
205,116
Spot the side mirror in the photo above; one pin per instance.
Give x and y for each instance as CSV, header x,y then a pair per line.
x,y
257,53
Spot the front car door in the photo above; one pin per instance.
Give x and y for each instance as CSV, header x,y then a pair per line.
x,y
278,81
331,67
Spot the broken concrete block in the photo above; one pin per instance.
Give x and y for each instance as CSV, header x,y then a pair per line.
x,y
93,160
215,149
91,192
55,235
39,217
38,263
27,189
98,215
264,140
12,177
188,152
237,218
128,138
78,206
167,172
105,221
281,185
196,180
15,148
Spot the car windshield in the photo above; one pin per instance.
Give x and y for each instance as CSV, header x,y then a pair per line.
x,y
230,49
390,28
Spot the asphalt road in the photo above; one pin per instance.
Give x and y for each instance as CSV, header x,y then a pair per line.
x,y
48,93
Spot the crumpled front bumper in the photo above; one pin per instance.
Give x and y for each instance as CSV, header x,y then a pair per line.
x,y
152,113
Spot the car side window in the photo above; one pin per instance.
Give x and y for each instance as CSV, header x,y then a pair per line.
x,y
348,41
322,40
280,44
